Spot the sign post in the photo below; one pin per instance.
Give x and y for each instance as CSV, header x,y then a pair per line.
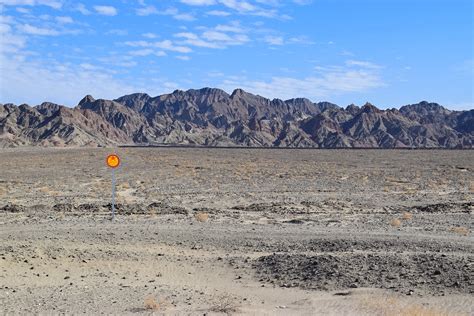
x,y
113,161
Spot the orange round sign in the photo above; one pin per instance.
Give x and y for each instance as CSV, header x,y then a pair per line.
x,y
113,161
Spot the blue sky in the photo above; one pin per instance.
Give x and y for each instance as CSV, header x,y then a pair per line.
x,y
387,52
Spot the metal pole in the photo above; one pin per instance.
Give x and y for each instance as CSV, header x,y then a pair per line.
x,y
113,193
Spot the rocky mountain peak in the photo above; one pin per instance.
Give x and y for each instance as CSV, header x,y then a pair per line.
x,y
87,99
238,93
369,108
212,117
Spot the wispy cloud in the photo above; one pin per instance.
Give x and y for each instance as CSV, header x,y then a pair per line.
x,y
147,10
164,45
199,2
33,30
117,32
82,9
64,19
364,64
335,80
150,10
105,10
221,36
218,13
55,4
30,81
147,52
149,35
274,40
185,58
241,7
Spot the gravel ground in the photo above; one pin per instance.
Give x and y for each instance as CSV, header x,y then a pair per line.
x,y
227,231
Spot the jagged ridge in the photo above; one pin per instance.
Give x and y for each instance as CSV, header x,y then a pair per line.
x,y
212,117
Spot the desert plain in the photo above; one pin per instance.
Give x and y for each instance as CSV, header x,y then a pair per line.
x,y
203,231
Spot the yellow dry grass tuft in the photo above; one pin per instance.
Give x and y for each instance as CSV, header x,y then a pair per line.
x,y
460,230
151,303
407,215
201,217
395,222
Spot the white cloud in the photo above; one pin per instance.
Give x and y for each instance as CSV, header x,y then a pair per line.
x,y
33,82
199,2
55,4
149,35
148,10
334,81
23,10
233,27
194,40
186,58
10,43
363,64
118,32
184,17
218,13
164,45
220,36
301,40
33,30
274,40
82,8
105,10
242,7
147,52
64,19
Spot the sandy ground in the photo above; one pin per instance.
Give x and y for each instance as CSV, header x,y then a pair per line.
x,y
227,231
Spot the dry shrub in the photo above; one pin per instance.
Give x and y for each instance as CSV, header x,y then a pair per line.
x,y
124,185
151,303
225,306
395,222
201,217
460,230
407,215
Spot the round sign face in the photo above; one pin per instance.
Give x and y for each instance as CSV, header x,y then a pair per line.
x,y
113,161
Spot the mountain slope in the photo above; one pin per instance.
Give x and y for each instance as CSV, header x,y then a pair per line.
x,y
212,117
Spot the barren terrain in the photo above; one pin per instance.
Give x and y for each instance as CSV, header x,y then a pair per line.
x,y
237,231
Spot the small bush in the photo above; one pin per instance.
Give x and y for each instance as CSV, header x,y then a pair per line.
x,y
225,306
201,217
407,216
395,222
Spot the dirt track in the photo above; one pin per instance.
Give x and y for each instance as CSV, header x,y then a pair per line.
x,y
288,231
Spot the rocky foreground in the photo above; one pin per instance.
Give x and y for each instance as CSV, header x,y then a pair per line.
x,y
211,117
213,231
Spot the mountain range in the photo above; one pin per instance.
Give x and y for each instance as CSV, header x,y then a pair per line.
x,y
212,117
